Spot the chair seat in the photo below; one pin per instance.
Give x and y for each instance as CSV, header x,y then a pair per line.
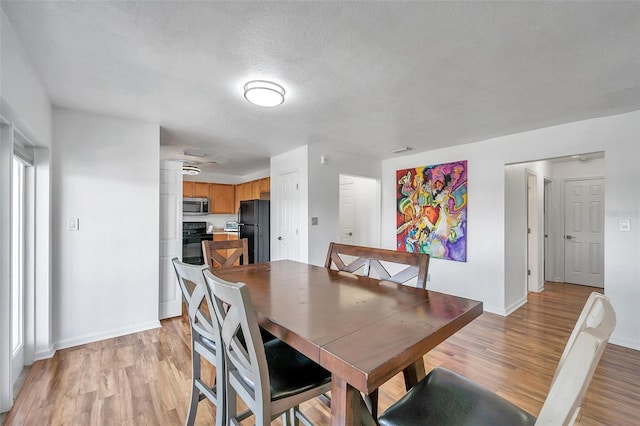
x,y
446,398
290,372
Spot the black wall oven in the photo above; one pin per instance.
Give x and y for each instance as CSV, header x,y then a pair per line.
x,y
193,233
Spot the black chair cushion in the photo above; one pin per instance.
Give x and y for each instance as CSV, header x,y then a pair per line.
x,y
445,398
290,372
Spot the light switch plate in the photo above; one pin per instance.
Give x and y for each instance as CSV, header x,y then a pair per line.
x,y
624,225
314,221
73,224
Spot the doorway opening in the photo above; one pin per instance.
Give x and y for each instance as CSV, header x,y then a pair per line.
x,y
359,211
540,207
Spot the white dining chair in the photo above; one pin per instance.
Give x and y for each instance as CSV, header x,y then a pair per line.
x,y
205,340
446,398
271,378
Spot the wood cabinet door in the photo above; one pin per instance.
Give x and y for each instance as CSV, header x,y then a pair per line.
x,y
265,185
222,198
187,188
201,189
255,189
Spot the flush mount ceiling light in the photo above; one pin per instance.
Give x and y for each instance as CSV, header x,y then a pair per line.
x,y
190,170
264,93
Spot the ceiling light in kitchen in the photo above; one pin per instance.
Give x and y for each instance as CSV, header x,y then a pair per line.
x,y
264,93
190,170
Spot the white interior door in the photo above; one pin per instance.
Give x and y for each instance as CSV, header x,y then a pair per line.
x,y
286,244
347,212
170,237
584,233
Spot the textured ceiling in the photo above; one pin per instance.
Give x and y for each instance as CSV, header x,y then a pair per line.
x,y
361,77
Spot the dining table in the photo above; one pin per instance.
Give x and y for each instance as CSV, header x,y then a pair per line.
x,y
363,330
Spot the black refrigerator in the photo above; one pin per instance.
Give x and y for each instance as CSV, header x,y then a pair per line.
x,y
253,224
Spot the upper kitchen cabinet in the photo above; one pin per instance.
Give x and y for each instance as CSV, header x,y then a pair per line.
x,y
265,185
195,189
222,198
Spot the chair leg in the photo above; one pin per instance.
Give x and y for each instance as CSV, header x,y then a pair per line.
x,y
289,417
195,392
372,403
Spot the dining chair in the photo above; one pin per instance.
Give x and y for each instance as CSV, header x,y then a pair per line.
x,y
205,339
271,378
368,260
225,254
445,398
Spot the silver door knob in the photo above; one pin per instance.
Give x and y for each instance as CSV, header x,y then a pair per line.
x,y
349,233
568,237
280,238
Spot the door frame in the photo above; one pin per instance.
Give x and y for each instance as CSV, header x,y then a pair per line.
x,y
532,231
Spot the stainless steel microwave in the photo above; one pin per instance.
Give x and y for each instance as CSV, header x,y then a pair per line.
x,y
195,206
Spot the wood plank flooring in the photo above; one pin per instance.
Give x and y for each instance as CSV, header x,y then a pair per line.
x,y
144,378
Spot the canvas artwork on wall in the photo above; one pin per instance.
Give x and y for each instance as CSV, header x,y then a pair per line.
x,y
431,215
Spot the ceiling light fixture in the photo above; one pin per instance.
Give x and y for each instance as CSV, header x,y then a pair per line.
x,y
194,154
264,93
190,170
401,149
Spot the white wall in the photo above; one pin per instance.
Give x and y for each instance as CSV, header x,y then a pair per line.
x,y
324,195
24,101
105,275
482,277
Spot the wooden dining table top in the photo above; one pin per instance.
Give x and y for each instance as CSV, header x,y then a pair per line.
x,y
361,329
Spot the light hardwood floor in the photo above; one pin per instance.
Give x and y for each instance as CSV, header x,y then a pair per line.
x,y
144,378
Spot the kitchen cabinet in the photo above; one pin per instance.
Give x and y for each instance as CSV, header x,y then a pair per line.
x,y
222,198
265,186
195,189
251,190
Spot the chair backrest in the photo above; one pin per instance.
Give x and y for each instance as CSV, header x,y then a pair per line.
x,y
247,369
578,362
224,254
197,298
369,260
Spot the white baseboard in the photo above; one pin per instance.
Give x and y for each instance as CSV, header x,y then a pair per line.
x,y
45,354
625,342
493,310
514,306
90,338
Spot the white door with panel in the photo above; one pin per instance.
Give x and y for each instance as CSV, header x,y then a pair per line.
x,y
286,244
170,237
347,211
584,232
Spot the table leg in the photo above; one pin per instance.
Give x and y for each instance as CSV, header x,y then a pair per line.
x,y
345,403
414,373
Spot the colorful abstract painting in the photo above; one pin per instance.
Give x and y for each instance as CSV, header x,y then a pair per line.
x,y
432,210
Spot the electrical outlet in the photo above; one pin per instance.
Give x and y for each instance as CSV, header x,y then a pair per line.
x,y
73,224
428,277
314,221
